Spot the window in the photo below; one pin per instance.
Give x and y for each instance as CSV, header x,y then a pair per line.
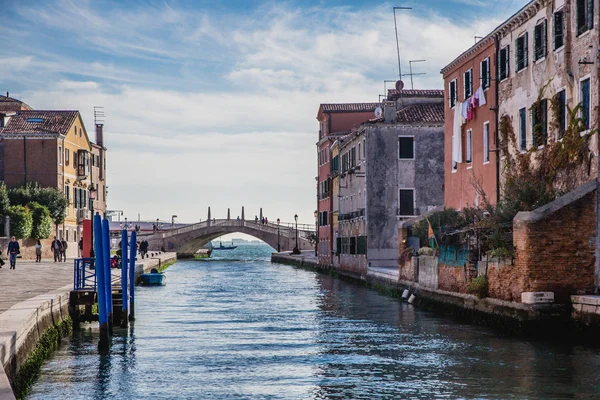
x,y
75,198
67,152
504,63
80,132
486,142
558,31
585,16
407,202
68,193
359,151
539,122
453,94
406,148
353,157
522,129
60,155
561,117
484,73
522,55
468,82
352,245
364,147
540,40
469,157
67,238
585,103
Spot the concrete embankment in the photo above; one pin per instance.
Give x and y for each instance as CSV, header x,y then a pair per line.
x,y
24,323
538,319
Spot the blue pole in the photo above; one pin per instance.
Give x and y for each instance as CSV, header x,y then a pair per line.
x,y
124,265
100,289
107,273
132,275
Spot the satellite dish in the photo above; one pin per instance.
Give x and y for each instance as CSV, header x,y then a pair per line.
x,y
378,112
399,85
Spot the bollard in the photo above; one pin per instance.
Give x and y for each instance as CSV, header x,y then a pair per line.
x,y
132,275
99,262
124,265
107,273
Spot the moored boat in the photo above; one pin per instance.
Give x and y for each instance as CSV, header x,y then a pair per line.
x,y
154,278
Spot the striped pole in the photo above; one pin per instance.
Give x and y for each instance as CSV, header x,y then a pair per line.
x,y
99,265
124,265
132,275
107,273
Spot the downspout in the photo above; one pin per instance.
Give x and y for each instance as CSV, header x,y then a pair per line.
x,y
597,252
24,159
63,176
497,112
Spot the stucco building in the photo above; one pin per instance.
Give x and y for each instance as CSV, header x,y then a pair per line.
x,y
53,149
335,121
470,126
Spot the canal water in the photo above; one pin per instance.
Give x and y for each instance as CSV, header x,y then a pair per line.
x,y
238,327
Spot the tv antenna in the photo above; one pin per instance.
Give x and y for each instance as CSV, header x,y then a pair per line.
x,y
99,115
412,85
397,42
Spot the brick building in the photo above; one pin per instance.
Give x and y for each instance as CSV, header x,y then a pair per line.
x,y
470,127
53,149
335,120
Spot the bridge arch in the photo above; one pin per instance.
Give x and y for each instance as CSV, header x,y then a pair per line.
x,y
187,240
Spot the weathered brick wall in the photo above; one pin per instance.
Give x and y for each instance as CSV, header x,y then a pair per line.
x,y
455,279
354,264
502,281
556,253
407,269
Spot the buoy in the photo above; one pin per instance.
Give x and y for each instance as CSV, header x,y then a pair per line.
x,y
405,294
411,299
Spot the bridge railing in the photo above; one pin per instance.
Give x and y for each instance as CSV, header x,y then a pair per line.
x,y
286,229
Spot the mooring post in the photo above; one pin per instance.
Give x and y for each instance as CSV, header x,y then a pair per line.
x,y
107,273
132,275
100,287
124,265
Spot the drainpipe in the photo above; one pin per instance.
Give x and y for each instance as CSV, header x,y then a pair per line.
x,y
597,252
24,159
497,112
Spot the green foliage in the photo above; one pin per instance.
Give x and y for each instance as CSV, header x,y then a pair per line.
x,y
426,251
4,201
479,287
51,198
21,222
501,253
42,223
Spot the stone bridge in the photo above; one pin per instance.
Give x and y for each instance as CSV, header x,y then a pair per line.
x,y
187,240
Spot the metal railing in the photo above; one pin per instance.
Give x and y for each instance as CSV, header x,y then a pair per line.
x,y
84,274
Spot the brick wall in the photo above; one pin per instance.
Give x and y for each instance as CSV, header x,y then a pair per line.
x,y
502,280
455,279
556,253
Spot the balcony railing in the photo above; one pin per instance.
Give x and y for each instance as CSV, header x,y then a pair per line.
x,y
82,214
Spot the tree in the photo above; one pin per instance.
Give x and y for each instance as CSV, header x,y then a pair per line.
x,y
42,223
54,200
4,201
21,222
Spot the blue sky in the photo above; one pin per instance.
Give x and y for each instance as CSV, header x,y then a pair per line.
x,y
213,103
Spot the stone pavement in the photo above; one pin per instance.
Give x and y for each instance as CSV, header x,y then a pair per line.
x,y
31,279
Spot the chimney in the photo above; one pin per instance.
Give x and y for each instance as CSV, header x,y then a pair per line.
x,y
389,112
99,137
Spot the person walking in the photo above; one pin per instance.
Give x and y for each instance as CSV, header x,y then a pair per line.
x,y
38,251
56,248
63,250
13,251
80,248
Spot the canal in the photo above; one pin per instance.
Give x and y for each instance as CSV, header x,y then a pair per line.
x,y
238,327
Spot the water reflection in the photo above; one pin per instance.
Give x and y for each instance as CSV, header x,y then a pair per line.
x,y
248,329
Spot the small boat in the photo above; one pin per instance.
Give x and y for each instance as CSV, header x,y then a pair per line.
x,y
154,278
221,247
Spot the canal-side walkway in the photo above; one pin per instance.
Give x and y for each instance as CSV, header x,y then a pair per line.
x,y
32,297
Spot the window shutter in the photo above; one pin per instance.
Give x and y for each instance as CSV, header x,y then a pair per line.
x,y
590,14
545,38
525,49
507,73
518,54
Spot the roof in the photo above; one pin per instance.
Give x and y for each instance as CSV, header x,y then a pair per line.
x,y
394,94
56,122
8,104
349,107
424,112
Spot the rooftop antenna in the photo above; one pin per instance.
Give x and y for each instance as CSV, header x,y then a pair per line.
x,y
412,85
397,42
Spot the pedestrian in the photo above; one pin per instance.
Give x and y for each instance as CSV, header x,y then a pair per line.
x,y
63,250
38,251
80,247
13,251
56,249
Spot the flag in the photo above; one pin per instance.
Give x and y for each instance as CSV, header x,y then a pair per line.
x,y
431,235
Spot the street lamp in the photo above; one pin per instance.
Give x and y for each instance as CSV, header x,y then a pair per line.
x,y
296,249
317,234
278,246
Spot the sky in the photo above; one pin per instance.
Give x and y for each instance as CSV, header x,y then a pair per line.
x,y
214,103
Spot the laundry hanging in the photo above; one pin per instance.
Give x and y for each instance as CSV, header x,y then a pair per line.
x,y
456,134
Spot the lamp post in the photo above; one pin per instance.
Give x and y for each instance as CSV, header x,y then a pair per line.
x,y
278,246
317,234
296,249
